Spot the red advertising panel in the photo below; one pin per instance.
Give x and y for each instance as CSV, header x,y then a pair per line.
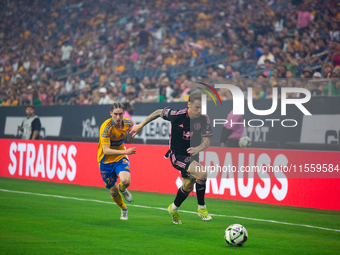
x,y
76,163
295,178
285,177
66,162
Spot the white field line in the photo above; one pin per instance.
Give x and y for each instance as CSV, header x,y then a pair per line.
x,y
164,209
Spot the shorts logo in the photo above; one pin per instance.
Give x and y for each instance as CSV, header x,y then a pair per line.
x,y
197,126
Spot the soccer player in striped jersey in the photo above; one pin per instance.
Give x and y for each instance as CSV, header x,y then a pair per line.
x,y
188,129
112,156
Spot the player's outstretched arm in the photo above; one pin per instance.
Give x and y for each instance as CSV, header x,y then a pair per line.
x,y
195,150
112,152
136,128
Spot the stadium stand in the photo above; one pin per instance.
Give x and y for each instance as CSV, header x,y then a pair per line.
x,y
63,52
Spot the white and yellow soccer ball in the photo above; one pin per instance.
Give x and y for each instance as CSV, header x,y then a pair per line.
x,y
236,235
244,142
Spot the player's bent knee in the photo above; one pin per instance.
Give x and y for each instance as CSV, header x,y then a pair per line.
x,y
125,178
126,182
188,189
188,184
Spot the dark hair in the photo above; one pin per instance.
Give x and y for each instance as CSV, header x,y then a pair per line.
x,y
195,95
35,95
30,106
126,105
320,39
117,106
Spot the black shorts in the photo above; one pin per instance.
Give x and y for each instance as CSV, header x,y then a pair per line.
x,y
233,143
181,162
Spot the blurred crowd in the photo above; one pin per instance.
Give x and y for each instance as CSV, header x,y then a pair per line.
x,y
81,52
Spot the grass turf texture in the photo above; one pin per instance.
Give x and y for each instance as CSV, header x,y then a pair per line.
x,y
33,224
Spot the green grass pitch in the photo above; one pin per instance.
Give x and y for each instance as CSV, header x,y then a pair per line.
x,y
32,223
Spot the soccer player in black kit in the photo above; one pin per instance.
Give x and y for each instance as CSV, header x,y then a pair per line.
x,y
188,127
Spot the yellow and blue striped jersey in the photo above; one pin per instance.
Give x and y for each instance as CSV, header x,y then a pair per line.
x,y
111,135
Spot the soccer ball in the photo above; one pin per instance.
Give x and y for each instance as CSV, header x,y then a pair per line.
x,y
244,142
236,235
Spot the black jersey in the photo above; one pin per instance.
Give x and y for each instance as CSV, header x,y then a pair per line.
x,y
186,132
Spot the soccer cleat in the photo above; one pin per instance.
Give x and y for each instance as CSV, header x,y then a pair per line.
x,y
175,216
204,215
127,195
124,214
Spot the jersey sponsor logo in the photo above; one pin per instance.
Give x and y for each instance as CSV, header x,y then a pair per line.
x,y
105,135
187,135
116,144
